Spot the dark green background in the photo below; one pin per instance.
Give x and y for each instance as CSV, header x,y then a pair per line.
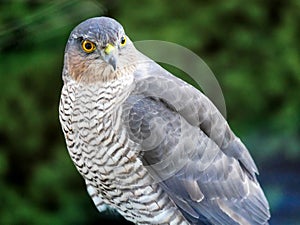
x,y
253,48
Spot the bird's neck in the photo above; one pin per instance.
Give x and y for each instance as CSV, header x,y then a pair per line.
x,y
109,96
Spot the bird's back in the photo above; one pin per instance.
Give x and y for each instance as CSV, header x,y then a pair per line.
x,y
192,153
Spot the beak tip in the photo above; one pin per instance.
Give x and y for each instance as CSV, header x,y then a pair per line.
x,y
112,61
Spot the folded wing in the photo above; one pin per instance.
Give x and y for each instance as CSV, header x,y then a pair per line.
x,y
189,149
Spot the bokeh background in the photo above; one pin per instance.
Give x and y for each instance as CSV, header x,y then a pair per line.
x,y
252,47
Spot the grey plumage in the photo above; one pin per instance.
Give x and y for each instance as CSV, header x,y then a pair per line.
x,y
148,144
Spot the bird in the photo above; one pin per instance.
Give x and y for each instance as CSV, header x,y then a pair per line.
x,y
147,144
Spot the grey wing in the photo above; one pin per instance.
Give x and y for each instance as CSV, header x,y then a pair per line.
x,y
191,152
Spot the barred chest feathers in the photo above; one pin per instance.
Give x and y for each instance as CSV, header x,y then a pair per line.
x,y
102,152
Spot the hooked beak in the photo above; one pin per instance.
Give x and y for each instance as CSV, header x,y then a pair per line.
x,y
110,55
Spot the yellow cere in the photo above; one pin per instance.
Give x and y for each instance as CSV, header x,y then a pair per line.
x,y
109,48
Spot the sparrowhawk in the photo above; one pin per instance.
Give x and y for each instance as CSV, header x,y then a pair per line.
x,y
147,143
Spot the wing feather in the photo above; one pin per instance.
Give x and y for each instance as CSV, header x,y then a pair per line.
x,y
191,152
194,107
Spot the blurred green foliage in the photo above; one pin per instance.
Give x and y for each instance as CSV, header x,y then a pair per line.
x,y
252,46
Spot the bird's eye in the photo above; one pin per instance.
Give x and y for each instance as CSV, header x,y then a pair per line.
x,y
123,41
88,46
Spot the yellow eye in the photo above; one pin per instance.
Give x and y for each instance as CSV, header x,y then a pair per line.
x,y
88,46
123,41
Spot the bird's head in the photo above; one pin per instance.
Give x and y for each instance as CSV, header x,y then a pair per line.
x,y
97,50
